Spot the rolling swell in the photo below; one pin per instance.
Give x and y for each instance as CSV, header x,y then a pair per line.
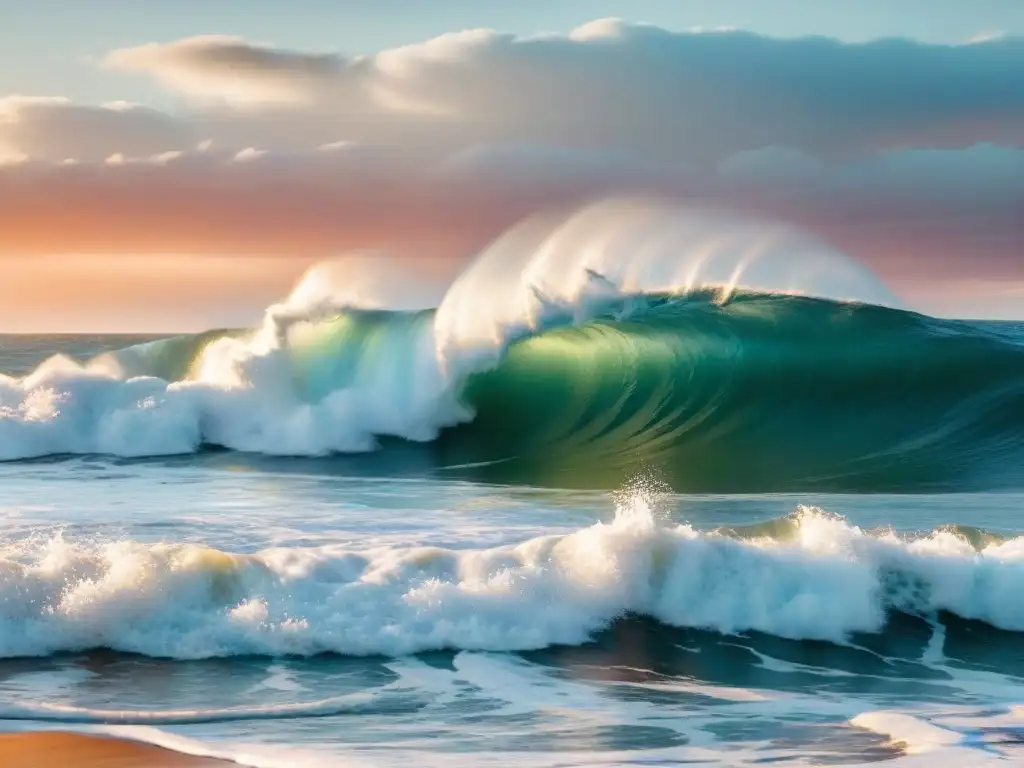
x,y
763,393
758,393
730,354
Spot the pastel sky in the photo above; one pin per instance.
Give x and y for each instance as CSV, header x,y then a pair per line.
x,y
175,166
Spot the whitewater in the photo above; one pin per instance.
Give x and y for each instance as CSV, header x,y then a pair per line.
x,y
297,617
818,578
402,377
573,352
640,484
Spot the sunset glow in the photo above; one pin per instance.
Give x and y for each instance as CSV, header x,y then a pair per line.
x,y
246,161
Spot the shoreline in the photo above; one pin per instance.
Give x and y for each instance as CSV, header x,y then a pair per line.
x,y
43,749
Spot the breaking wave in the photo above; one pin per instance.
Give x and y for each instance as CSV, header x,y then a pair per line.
x,y
810,576
729,354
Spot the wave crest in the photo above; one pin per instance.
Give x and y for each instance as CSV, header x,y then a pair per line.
x,y
824,579
568,353
552,271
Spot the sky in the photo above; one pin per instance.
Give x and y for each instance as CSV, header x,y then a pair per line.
x,y
177,166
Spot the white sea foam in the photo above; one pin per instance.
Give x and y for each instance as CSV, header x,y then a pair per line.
x,y
186,601
550,271
243,391
938,738
543,701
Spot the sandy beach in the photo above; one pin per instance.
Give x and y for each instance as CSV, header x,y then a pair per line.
x,y
44,750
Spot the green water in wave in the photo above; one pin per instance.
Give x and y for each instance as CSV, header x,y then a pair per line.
x,y
762,394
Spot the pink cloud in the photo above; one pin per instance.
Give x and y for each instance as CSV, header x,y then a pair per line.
x,y
434,148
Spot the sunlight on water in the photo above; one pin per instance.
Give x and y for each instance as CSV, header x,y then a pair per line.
x,y
351,534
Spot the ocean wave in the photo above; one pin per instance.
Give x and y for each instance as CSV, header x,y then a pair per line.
x,y
732,355
822,579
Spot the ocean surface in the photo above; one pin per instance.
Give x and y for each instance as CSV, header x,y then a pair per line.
x,y
606,521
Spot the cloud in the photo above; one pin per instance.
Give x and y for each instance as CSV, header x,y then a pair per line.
x,y
678,98
987,36
908,155
689,96
57,129
231,69
305,203
979,177
770,165
916,215
279,202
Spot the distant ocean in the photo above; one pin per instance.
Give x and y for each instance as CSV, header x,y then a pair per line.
x,y
627,527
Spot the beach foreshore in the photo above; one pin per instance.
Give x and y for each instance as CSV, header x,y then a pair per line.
x,y
46,749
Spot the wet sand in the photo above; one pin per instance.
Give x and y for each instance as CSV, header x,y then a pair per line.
x,y
71,750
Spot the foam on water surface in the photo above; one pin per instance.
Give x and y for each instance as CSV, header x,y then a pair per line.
x,y
284,613
824,580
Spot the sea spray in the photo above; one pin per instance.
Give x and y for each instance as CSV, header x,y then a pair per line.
x,y
731,354
824,579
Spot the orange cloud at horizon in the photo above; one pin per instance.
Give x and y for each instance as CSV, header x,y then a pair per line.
x,y
275,158
290,210
176,292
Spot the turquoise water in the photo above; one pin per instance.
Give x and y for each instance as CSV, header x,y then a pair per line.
x,y
701,599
